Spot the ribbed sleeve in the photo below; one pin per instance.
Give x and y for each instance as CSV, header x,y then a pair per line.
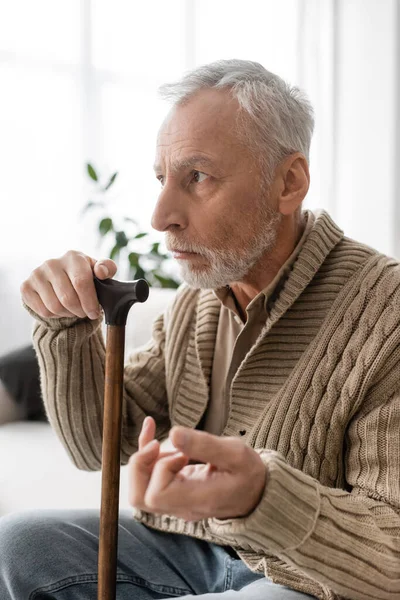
x,y
349,541
71,355
285,517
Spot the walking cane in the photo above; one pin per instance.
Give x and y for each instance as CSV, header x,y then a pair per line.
x,y
116,298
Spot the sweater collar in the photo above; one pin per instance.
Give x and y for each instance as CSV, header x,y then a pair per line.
x,y
322,238
226,296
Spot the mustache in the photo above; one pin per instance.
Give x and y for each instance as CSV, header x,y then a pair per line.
x,y
173,243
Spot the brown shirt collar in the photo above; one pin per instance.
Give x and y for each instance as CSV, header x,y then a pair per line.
x,y
269,293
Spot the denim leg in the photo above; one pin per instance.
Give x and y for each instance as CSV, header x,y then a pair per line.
x,y
262,589
241,584
52,555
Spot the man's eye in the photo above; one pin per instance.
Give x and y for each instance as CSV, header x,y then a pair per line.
x,y
199,177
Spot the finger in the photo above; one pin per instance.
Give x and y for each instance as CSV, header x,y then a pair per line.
x,y
63,289
165,471
32,299
223,452
140,469
168,453
105,268
192,492
78,269
147,433
168,446
42,286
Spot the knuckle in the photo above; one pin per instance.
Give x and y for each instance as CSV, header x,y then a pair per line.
x,y
79,282
54,307
80,257
74,257
151,501
25,287
53,262
49,270
51,265
132,461
44,265
37,273
135,503
67,299
134,500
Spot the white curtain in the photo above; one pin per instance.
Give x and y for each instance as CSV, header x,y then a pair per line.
x,y
78,82
350,66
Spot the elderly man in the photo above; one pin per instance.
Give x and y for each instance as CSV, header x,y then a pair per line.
x,y
276,371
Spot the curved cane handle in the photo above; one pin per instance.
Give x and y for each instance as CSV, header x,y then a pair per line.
x,y
117,297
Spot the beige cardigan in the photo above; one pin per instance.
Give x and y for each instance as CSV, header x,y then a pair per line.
x,y
319,398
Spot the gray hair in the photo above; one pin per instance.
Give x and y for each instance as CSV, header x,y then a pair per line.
x,y
280,116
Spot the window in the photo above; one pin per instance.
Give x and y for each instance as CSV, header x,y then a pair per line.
x,y
79,80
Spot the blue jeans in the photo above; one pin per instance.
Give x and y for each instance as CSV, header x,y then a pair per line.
x,y
46,555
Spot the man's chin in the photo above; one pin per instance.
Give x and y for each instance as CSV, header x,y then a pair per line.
x,y
196,278
202,279
198,284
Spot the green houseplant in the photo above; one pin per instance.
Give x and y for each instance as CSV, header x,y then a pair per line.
x,y
125,240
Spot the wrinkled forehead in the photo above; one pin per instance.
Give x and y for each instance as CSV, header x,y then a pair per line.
x,y
207,120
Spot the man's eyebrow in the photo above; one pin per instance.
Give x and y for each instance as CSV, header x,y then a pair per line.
x,y
197,160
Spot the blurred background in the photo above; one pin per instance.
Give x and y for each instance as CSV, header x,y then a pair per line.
x,y
79,83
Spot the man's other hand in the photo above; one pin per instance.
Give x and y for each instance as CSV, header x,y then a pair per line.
x,y
227,482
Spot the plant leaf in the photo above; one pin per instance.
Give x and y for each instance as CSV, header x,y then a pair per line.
x,y
130,220
133,259
166,282
114,252
139,273
111,181
105,225
140,235
91,172
121,239
90,205
155,252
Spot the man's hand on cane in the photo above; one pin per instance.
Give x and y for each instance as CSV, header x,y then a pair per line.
x,y
228,482
63,287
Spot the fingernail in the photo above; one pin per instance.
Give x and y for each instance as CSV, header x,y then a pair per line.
x,y
104,269
180,437
150,447
93,316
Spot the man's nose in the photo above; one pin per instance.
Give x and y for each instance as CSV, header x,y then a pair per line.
x,y
169,210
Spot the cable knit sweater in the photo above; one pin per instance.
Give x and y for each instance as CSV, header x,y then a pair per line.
x,y
319,398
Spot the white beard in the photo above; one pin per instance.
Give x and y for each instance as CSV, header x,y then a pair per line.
x,y
226,266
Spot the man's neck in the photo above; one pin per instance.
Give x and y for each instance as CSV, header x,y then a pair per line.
x,y
266,269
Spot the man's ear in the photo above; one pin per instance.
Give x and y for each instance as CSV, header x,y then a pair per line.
x,y
294,183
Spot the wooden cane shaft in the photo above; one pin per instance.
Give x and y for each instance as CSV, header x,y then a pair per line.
x,y
108,542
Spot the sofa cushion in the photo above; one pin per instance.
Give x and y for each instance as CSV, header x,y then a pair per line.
x,y
36,472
